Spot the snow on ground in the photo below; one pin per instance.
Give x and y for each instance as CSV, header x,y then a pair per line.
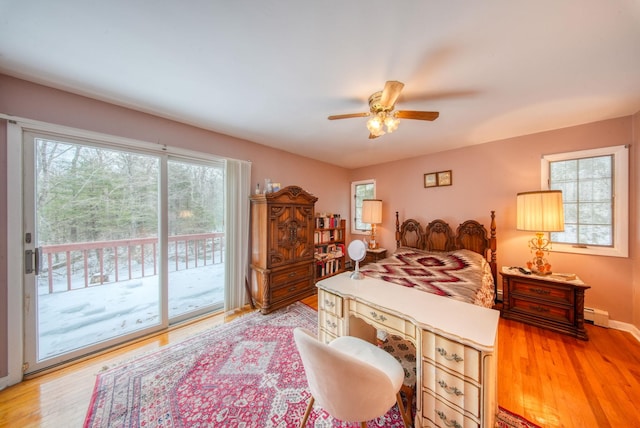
x,y
70,320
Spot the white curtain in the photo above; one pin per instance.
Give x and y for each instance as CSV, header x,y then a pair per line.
x,y
238,189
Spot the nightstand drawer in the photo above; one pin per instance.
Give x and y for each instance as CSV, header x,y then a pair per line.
x,y
550,312
554,293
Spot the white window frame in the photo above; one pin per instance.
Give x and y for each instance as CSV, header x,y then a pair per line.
x,y
354,217
620,155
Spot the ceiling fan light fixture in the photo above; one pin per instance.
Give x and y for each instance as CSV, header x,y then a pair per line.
x,y
382,117
391,122
375,124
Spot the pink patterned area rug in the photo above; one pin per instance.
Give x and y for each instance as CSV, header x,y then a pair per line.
x,y
507,419
246,373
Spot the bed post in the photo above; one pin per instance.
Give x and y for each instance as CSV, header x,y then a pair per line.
x,y
493,263
397,231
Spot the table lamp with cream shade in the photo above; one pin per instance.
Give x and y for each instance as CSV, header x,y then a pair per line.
x,y
540,212
372,214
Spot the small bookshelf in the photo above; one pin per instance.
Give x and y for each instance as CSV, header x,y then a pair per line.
x,y
328,240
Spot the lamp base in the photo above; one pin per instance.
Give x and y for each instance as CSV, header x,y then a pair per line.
x,y
373,244
539,264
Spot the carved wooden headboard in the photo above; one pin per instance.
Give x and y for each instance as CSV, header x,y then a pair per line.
x,y
438,236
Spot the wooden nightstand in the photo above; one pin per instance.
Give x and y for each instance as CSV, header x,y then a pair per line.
x,y
374,255
555,304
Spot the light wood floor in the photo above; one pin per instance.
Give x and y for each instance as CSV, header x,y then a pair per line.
x,y
551,379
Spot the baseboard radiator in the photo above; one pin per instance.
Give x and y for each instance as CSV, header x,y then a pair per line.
x,y
596,317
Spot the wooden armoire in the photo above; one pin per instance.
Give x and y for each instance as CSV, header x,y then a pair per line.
x,y
282,261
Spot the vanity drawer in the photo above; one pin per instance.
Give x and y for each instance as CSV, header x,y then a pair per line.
x,y
325,337
329,302
455,356
465,396
439,414
331,323
383,320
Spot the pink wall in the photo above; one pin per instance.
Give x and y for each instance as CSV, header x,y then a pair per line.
x,y
488,176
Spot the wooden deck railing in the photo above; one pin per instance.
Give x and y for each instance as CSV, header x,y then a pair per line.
x,y
185,252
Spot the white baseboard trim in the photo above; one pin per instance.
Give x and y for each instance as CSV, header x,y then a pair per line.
x,y
630,328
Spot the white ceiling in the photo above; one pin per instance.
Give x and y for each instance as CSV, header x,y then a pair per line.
x,y
272,71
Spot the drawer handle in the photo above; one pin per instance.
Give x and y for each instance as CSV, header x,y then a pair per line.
x,y
540,291
378,317
452,357
292,274
292,288
442,416
331,324
328,303
450,389
539,308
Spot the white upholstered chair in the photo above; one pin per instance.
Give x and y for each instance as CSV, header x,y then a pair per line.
x,y
352,379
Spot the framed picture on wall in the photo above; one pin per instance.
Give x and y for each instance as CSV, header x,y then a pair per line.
x,y
444,178
430,180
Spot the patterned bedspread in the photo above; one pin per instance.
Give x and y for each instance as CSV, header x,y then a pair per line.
x,y
461,275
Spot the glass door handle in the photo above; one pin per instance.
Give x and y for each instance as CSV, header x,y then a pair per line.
x,y
32,261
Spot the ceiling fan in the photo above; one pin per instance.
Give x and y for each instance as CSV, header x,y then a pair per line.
x,y
381,114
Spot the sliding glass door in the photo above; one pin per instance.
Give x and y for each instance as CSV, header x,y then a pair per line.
x,y
104,262
196,237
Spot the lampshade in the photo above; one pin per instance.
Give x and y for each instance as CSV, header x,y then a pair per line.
x,y
372,211
540,211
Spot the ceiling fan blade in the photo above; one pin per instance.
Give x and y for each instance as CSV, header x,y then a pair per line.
x,y
371,136
390,93
419,115
347,116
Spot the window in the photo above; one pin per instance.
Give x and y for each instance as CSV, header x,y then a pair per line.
x,y
595,192
365,189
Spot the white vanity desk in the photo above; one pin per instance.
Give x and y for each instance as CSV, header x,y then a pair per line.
x,y
456,344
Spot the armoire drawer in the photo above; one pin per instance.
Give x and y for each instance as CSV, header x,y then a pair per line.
x,y
281,277
285,291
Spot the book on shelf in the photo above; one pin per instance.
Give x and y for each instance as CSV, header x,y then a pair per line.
x,y
327,221
328,267
330,251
